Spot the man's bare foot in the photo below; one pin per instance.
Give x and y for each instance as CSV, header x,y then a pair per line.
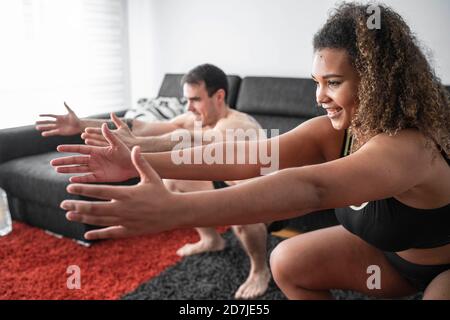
x,y
255,285
189,249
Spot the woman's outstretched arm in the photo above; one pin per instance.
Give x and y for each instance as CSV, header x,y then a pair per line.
x,y
378,170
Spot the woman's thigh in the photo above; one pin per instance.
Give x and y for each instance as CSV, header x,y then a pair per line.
x,y
439,288
334,258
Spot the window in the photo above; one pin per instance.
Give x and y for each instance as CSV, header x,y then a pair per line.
x,y
62,50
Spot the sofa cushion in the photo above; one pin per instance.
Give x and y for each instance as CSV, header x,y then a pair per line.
x,y
48,218
283,124
26,140
35,191
289,97
171,87
32,178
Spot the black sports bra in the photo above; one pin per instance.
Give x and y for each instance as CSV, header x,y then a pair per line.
x,y
393,226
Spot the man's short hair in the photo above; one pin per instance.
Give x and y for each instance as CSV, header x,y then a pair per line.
x,y
213,77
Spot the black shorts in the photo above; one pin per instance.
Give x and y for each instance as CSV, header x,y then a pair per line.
x,y
417,275
220,184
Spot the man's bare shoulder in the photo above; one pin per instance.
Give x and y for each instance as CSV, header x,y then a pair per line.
x,y
185,120
237,120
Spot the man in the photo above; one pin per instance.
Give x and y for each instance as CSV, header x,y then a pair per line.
x,y
205,88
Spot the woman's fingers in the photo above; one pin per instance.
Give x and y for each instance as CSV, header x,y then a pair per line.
x,y
107,233
96,143
96,208
146,172
104,192
93,130
46,127
98,221
94,139
109,136
117,121
68,108
87,178
73,169
93,136
55,132
74,148
71,160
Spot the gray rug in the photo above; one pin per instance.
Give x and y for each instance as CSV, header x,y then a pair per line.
x,y
215,276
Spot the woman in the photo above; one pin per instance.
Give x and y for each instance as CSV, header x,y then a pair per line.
x,y
380,155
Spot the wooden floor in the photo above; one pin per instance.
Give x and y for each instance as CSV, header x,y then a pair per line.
x,y
286,233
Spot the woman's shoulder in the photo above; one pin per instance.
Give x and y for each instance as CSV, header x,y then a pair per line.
x,y
406,138
410,143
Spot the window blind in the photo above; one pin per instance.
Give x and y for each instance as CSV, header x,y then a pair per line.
x,y
62,50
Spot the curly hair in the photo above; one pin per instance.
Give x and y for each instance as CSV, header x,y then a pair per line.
x,y
398,89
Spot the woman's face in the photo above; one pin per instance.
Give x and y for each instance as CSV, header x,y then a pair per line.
x,y
337,84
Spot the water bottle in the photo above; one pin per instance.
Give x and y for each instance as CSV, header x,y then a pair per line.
x,y
5,215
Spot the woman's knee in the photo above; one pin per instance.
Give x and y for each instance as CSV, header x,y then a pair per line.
x,y
282,261
439,288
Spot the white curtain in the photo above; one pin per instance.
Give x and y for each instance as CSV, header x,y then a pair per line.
x,y
62,50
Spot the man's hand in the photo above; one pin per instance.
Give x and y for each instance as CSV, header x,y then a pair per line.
x,y
100,164
94,136
63,125
147,207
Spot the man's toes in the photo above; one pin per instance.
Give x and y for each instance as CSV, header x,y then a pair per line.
x,y
240,292
251,292
200,247
185,250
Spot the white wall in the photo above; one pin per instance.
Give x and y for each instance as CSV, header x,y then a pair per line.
x,y
252,37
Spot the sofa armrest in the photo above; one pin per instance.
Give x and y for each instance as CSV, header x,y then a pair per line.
x,y
27,141
120,114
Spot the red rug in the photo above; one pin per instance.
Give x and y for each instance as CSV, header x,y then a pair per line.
x,y
33,264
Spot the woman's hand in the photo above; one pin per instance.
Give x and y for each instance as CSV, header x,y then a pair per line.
x,y
94,136
147,207
100,164
63,125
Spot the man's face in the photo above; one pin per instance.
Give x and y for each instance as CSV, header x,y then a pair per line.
x,y
200,104
337,85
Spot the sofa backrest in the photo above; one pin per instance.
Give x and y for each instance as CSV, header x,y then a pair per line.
x,y
171,87
294,97
278,103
